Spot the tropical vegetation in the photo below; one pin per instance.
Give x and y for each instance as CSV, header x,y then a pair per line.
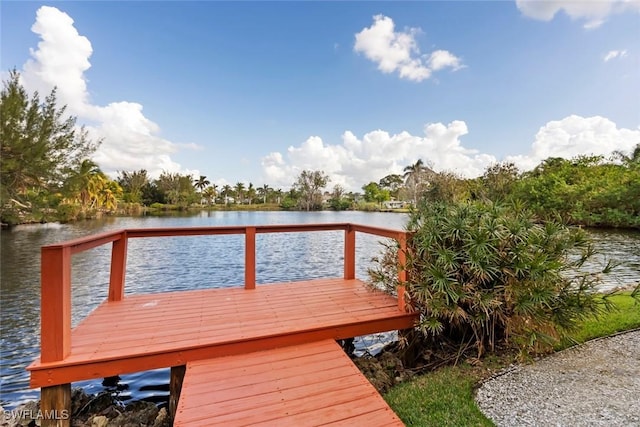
x,y
45,159
486,276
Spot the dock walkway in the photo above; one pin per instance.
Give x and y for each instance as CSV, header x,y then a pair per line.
x,y
311,384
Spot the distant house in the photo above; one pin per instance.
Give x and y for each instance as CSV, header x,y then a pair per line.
x,y
394,204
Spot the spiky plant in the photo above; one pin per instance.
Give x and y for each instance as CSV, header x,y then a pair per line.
x,y
484,275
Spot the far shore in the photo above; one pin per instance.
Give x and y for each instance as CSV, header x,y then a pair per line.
x,y
161,210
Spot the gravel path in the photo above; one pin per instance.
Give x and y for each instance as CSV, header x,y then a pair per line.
x,y
594,384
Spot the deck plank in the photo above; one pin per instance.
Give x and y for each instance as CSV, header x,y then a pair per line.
x,y
310,384
151,331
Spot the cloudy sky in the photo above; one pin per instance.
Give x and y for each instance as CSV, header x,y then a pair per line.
x,y
257,92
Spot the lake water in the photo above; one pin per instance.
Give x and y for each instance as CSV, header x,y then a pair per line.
x,y
177,263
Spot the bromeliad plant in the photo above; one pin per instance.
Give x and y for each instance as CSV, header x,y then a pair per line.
x,y
484,276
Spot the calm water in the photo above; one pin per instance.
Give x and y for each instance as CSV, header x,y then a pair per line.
x,y
163,264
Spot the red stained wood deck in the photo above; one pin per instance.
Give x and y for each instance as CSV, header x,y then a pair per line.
x,y
203,328
151,331
311,384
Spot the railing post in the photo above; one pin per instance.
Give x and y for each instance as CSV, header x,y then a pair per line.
x,y
55,303
402,271
250,258
118,268
349,253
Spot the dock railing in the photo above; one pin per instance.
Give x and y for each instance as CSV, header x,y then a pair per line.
x,y
56,268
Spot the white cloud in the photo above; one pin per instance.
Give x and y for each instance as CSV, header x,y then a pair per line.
x,y
440,59
357,161
594,12
131,141
398,51
60,60
576,135
612,54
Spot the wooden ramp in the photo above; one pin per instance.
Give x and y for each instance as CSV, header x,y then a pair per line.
x,y
311,384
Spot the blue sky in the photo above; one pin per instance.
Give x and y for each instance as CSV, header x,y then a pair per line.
x,y
257,92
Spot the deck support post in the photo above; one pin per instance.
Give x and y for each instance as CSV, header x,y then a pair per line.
x,y
175,388
349,253
55,406
250,258
118,268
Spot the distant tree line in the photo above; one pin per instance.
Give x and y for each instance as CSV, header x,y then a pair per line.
x,y
46,174
585,190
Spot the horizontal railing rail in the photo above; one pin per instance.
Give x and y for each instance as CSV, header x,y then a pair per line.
x,y
56,268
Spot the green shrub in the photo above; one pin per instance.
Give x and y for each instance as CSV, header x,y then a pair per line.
x,y
68,212
487,276
340,204
288,204
368,206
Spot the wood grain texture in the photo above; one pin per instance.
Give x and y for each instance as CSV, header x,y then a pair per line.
x,y
152,331
312,384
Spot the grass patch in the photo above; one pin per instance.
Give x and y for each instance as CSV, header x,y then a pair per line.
x,y
625,317
440,398
445,397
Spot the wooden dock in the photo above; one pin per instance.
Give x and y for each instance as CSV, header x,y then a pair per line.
x,y
205,330
311,384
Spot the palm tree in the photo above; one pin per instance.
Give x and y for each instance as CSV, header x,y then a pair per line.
x,y
226,192
200,184
279,193
94,189
251,192
209,194
109,194
264,192
132,184
633,158
414,176
82,184
239,189
215,191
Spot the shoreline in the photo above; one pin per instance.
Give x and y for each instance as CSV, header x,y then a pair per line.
x,y
146,211
173,210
